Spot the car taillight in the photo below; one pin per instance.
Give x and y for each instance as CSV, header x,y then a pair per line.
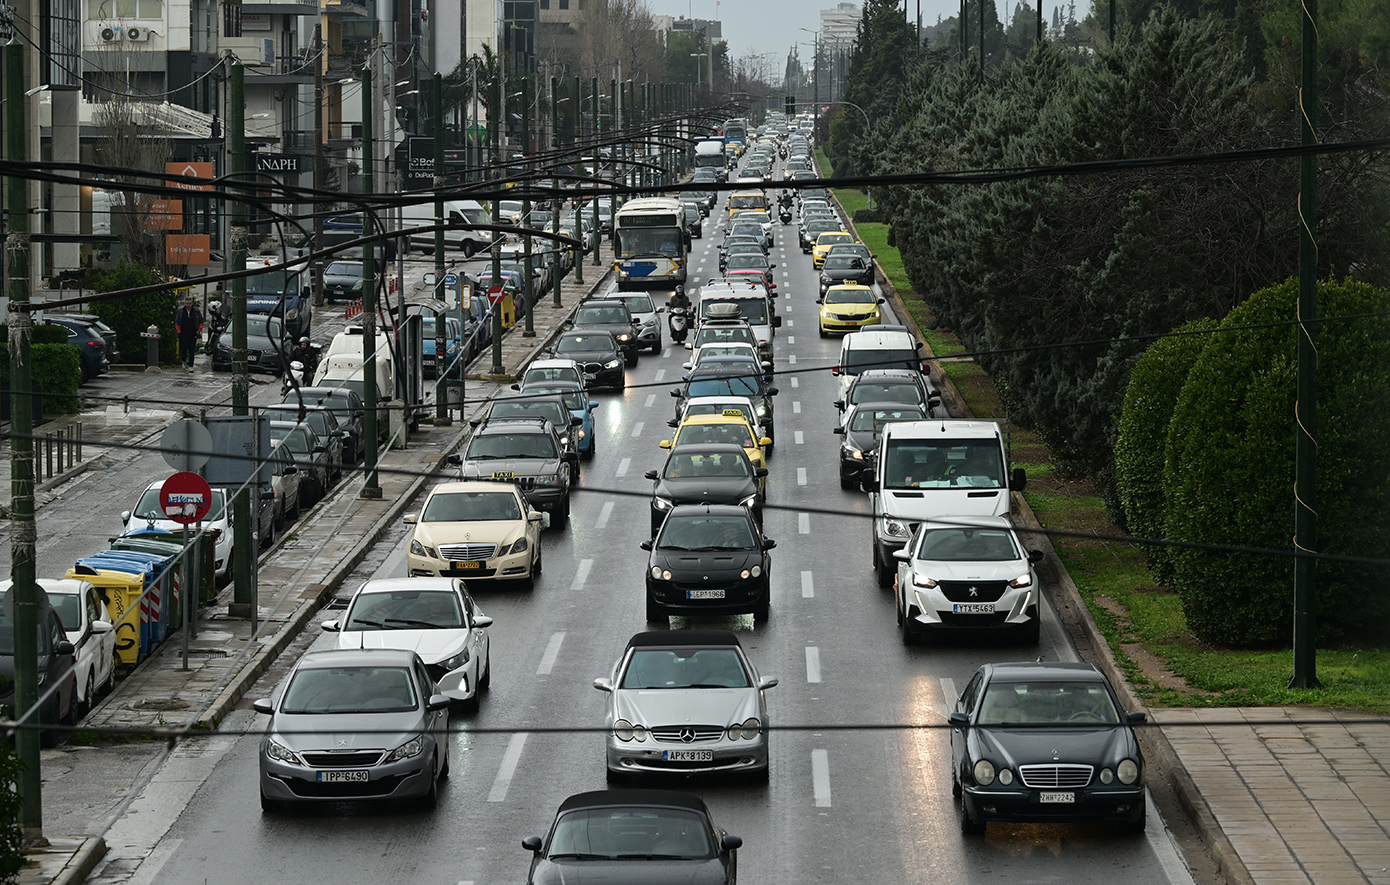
x,y
101,344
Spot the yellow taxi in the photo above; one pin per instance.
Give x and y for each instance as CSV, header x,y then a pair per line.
x,y
848,308
824,242
730,426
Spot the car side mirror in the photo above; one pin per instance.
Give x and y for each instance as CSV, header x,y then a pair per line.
x,y
839,404
760,472
454,460
687,365
437,702
772,391
482,621
870,485
592,404
645,545
767,682
516,387
570,457
1018,480
534,516
263,705
1136,718
102,627
603,683
903,554
883,301
576,421
63,647
673,423
532,843
839,431
410,518
333,626
730,843
651,474
834,370
820,300
765,441
1036,556
768,543
125,517
675,393
665,444
957,720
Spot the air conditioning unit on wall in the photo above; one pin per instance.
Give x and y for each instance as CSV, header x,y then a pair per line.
x,y
111,35
137,35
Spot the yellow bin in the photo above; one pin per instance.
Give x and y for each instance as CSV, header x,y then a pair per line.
x,y
121,591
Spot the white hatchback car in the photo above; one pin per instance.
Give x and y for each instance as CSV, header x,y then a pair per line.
x,y
434,617
87,625
147,512
967,574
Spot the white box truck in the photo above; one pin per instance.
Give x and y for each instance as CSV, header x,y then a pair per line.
x,y
710,154
341,366
934,470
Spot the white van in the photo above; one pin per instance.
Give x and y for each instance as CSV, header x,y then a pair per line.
x,y
877,347
754,307
936,470
341,366
455,212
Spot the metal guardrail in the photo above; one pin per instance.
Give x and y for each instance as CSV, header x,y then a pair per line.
x,y
58,451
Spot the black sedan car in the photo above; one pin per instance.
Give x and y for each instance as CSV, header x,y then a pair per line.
x,y
861,431
342,280
610,315
1044,742
714,473
347,409
57,664
838,269
597,353
267,344
310,455
634,837
709,560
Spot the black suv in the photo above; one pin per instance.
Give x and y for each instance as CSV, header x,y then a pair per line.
x,y
527,452
530,404
597,354
609,315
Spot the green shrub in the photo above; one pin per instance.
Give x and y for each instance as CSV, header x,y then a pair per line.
x,y
867,216
1154,385
1229,470
131,315
56,366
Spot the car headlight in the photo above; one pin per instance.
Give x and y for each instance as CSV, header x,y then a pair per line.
x,y
747,730
745,574
612,364
625,731
894,528
1006,777
853,452
749,501
761,411
984,772
1024,580
662,504
564,440
418,549
357,286
292,313
1107,776
1127,771
521,545
757,571
547,480
661,574
922,580
457,660
408,750
624,337
281,753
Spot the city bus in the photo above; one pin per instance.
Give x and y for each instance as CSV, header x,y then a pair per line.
x,y
650,243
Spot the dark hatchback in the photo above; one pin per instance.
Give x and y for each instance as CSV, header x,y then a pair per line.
x,y
861,435
267,344
709,560
347,409
697,474
1044,742
113,353
56,665
90,344
610,315
597,354
634,837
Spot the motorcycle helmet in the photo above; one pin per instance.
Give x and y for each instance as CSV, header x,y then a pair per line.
x,y
304,340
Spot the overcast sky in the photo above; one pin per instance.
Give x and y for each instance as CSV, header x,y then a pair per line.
x,y
758,26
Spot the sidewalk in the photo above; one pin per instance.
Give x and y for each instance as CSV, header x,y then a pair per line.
x,y
297,577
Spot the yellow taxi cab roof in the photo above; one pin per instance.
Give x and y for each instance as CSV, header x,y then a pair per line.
x,y
821,238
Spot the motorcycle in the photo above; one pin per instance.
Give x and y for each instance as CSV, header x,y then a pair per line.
x,y
784,215
678,320
303,376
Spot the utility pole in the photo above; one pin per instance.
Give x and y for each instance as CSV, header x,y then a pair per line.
x,y
372,487
598,233
528,295
441,324
578,225
495,103
555,274
24,592
318,163
244,602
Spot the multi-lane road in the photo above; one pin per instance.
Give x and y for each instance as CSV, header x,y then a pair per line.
x,y
841,805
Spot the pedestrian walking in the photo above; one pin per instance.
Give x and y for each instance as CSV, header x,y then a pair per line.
x,y
189,326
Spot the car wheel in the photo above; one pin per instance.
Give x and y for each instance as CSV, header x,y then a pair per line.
x,y
762,775
431,798
1032,633
110,684
91,694
616,778
622,383
444,772
593,447
271,806
630,359
562,513
764,608
267,537
823,333
656,347
905,628
848,483
485,680
968,825
540,559
886,574
469,705
1137,825
655,614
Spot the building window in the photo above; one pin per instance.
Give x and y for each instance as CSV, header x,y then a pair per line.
x,y
545,4
139,9
564,4
231,20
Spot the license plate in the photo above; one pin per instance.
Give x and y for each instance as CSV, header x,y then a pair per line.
x,y
973,608
468,565
503,474
590,376
1056,798
687,755
342,777
704,594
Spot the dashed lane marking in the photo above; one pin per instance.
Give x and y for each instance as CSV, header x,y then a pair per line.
x,y
552,651
513,756
808,587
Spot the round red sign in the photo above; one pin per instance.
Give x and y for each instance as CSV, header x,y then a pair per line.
x,y
494,294
185,498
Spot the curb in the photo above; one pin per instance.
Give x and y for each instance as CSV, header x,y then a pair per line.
x,y
83,862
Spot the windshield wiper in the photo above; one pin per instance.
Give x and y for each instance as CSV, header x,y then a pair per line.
x,y
486,457
376,624
653,857
673,547
574,855
425,624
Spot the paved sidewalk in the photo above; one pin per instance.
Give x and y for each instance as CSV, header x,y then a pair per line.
x,y
297,576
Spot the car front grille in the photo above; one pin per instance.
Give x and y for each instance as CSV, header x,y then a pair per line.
x,y
591,368
951,619
467,552
355,759
1049,777
356,790
973,591
467,572
672,733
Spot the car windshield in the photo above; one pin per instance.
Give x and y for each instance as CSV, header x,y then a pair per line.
x,y
871,419
817,227
640,833
745,249
638,303
857,359
147,507
552,412
944,463
405,610
883,392
511,445
574,400
851,295
1028,703
724,334
700,434
968,544
649,242
747,201
746,229
705,532
749,259
344,269
551,373
684,668
709,464
827,240
739,349
724,385
69,609
592,316
584,344
295,439
754,310
844,262
315,690
471,507
260,325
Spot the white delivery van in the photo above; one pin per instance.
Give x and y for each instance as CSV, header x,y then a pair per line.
x,y
876,347
935,470
470,242
341,366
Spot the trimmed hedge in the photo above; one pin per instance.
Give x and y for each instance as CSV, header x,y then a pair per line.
x,y
1154,385
1229,473
131,315
57,367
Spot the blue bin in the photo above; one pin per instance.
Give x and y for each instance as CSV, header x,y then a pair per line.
x,y
159,590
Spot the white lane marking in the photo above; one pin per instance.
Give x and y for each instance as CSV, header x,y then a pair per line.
x,y
637,429
791,339
799,438
660,375
603,515
665,353
808,587
622,467
552,651
948,690
803,523
795,382
801,476
508,769
788,324
820,777
791,358
796,407
581,574
812,664
651,398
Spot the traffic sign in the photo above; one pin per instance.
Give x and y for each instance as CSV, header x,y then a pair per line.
x,y
186,445
451,279
494,294
185,498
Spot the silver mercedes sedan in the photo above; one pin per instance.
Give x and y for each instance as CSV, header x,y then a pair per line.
x,y
686,702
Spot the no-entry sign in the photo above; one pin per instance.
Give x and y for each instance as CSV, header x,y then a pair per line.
x,y
185,498
494,294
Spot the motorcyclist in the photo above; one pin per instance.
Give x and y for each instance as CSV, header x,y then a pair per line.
x,y
304,354
679,299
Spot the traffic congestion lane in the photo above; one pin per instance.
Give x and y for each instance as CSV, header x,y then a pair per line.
x,y
840,805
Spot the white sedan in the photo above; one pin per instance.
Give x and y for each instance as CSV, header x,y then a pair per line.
x,y
87,625
434,617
